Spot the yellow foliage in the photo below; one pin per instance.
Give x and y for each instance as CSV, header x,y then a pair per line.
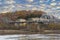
x,y
52,25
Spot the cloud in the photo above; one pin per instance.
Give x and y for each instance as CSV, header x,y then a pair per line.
x,y
7,6
28,5
0,3
59,3
58,7
12,5
53,0
42,1
18,5
30,0
53,4
9,1
44,7
34,8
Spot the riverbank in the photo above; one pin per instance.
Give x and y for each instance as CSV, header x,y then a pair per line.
x,y
3,32
6,32
31,37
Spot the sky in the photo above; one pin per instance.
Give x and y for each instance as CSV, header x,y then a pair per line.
x,y
49,6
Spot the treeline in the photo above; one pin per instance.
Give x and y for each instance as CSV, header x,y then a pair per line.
x,y
24,15
13,16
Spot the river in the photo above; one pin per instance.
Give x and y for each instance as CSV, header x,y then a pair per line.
x,y
31,37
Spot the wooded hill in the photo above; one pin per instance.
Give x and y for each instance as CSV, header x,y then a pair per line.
x,y
13,16
22,14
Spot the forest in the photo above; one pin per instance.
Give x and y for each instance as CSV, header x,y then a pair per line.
x,y
6,18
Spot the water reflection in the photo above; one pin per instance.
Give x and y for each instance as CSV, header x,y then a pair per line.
x,y
31,37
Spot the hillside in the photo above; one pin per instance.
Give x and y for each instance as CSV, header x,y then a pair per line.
x,y
13,16
6,18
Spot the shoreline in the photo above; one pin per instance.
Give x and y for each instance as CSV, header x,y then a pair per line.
x,y
10,32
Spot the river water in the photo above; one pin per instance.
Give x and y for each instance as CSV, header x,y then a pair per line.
x,y
31,37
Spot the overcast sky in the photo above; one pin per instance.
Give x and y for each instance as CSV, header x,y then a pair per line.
x,y
49,6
